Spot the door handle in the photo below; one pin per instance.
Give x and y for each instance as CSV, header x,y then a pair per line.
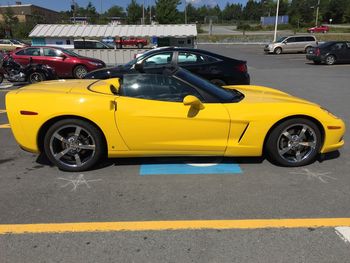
x,y
113,105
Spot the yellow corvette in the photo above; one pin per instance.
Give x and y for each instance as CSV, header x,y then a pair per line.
x,y
78,122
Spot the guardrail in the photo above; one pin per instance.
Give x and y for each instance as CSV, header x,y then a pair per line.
x,y
110,56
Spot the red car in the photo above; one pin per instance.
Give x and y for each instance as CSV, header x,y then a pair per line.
x,y
318,29
131,41
66,63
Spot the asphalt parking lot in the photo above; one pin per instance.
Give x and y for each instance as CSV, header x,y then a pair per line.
x,y
228,192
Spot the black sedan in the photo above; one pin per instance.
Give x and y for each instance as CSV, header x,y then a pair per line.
x,y
330,53
220,70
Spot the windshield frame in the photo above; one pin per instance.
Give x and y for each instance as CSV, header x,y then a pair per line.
x,y
222,94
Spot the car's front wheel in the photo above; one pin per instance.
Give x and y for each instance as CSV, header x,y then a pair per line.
x,y
35,77
80,71
278,50
294,142
330,60
74,145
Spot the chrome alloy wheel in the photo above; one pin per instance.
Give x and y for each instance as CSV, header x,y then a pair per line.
x,y
296,143
72,146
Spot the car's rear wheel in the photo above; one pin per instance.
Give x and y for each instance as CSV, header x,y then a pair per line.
x,y
278,50
218,82
308,49
119,46
330,60
74,145
35,77
140,45
80,71
295,142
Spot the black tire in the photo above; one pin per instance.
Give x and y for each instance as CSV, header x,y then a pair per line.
x,y
330,60
140,45
288,146
79,72
277,50
317,62
35,77
218,82
74,145
119,46
307,49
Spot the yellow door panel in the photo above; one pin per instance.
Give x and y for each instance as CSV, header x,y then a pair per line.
x,y
151,125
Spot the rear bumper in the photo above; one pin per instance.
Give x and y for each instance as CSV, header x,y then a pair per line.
x,y
243,79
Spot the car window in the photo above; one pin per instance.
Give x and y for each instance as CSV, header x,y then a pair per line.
x,y
99,45
5,41
50,52
21,52
78,44
300,39
291,39
32,51
309,39
159,59
156,87
338,46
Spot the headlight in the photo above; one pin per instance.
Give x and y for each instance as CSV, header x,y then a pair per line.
x,y
330,113
95,63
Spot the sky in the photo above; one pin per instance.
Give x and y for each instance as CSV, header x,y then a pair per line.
x,y
60,5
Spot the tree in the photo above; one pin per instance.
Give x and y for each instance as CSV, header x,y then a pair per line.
x,y
337,10
192,13
115,11
252,10
232,12
10,21
166,11
134,11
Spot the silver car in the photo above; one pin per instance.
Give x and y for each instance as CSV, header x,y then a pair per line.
x,y
291,44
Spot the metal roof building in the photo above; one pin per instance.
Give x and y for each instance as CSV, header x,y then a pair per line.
x,y
99,31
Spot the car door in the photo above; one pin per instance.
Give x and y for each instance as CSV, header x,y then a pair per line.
x,y
25,55
289,45
347,52
53,57
151,117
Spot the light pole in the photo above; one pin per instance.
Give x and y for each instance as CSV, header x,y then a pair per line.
x,y
317,9
276,21
185,11
143,13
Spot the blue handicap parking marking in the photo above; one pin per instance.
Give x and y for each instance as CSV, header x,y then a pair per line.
x,y
182,168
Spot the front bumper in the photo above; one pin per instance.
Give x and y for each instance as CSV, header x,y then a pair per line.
x,y
334,134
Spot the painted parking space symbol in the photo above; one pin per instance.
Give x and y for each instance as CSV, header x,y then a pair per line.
x,y
192,168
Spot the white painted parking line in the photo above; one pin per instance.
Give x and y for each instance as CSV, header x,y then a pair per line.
x,y
343,233
6,86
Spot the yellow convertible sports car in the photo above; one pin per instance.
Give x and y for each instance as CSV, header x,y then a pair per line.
x,y
78,122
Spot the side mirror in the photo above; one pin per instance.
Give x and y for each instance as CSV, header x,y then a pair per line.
x,y
139,67
193,101
63,56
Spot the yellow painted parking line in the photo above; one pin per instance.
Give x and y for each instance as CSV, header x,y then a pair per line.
x,y
173,225
5,126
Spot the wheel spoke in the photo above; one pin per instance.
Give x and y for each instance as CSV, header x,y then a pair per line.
x,y
60,154
285,150
308,144
59,137
302,132
287,134
87,147
77,131
77,159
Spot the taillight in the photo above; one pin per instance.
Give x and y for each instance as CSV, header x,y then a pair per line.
x,y
317,52
241,67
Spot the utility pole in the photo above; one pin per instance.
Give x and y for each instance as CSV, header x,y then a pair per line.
x,y
276,22
73,7
317,10
143,13
186,12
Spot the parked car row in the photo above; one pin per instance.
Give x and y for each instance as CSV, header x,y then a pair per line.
x,y
330,53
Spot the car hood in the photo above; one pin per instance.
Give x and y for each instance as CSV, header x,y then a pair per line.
x,y
260,94
57,86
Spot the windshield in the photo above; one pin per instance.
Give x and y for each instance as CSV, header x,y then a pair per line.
x,y
281,39
69,52
14,41
207,86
